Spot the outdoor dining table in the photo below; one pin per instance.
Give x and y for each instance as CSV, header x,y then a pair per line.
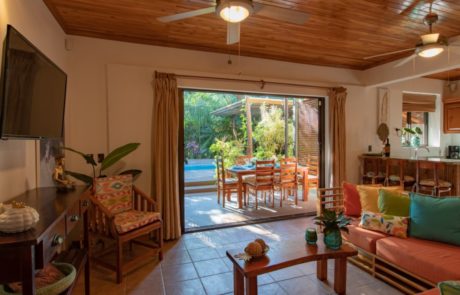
x,y
241,171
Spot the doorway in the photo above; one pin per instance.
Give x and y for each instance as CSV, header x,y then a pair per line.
x,y
247,126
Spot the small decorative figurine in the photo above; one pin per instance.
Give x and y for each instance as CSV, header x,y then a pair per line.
x,y
60,177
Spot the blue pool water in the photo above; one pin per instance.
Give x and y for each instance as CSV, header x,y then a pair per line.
x,y
199,167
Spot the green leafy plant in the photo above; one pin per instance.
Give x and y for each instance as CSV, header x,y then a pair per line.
x,y
112,158
417,131
228,150
330,221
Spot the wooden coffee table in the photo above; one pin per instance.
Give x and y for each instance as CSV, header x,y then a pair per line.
x,y
289,254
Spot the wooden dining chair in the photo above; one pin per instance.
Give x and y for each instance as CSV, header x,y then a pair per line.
x,y
263,182
124,214
225,186
287,181
312,174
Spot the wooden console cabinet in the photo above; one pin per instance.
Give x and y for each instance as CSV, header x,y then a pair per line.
x,y
23,253
452,117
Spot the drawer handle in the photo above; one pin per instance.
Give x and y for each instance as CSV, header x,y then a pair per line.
x,y
85,203
57,240
74,218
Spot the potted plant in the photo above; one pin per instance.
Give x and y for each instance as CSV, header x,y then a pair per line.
x,y
331,225
112,158
414,136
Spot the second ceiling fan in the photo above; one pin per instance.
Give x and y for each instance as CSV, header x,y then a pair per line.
x,y
236,11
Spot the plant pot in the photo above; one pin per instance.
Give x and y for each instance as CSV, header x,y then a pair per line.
x,y
415,141
333,239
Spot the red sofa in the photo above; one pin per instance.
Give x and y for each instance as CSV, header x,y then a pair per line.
x,y
412,265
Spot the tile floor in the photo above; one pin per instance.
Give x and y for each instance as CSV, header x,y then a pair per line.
x,y
202,209
196,264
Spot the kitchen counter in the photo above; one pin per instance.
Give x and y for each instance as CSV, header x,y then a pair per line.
x,y
449,169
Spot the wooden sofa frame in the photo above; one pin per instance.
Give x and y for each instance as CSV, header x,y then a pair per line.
x,y
405,281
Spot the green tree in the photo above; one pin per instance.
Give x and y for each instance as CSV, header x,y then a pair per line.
x,y
269,133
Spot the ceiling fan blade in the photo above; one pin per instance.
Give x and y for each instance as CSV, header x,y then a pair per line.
x,y
414,5
388,53
282,14
406,60
188,14
233,33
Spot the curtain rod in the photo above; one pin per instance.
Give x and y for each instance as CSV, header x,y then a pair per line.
x,y
262,82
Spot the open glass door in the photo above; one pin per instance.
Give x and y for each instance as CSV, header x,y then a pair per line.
x,y
244,127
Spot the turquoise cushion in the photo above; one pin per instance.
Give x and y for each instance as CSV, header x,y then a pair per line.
x,y
435,219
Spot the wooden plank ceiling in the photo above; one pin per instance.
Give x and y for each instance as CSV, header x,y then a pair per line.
x,y
452,75
338,33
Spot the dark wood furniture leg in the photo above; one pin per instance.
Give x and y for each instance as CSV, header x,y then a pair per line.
x,y
321,269
251,285
340,276
28,270
240,191
86,246
238,281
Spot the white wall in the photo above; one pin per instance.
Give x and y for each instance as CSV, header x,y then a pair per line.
x,y
35,22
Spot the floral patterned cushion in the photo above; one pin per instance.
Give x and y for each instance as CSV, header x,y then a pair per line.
x,y
388,224
115,193
133,219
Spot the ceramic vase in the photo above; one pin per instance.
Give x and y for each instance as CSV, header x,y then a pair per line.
x,y
415,141
333,239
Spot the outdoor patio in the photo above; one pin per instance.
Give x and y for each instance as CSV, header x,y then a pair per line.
x,y
204,211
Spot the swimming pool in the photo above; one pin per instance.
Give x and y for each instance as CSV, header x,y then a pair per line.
x,y
192,167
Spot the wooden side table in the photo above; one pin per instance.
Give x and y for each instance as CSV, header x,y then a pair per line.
x,y
245,273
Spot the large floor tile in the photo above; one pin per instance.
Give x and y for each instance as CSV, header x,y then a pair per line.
x,y
303,285
211,267
191,287
271,289
203,254
218,284
179,272
286,273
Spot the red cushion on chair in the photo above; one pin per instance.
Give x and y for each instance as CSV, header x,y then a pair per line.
x,y
351,202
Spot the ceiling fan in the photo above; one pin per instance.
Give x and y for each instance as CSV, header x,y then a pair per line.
x,y
236,11
430,45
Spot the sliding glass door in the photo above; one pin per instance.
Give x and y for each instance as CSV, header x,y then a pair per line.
x,y
243,128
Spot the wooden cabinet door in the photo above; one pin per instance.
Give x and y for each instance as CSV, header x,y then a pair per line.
x,y
452,117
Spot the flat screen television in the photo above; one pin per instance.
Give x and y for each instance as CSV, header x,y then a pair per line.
x,y
33,91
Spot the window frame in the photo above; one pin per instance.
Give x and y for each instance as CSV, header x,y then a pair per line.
x,y
426,125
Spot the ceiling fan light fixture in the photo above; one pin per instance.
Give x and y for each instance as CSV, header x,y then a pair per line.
x,y
432,50
234,11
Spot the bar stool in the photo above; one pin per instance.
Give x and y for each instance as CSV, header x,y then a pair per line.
x,y
435,186
399,176
371,171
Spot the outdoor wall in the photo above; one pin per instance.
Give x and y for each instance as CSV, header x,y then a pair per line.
x,y
35,22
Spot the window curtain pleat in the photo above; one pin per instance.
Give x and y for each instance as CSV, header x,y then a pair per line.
x,y
337,124
419,102
165,137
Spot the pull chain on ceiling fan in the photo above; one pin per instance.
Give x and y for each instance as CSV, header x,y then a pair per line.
x,y
236,11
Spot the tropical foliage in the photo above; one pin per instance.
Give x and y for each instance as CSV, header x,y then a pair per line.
x,y
228,150
331,221
269,133
112,158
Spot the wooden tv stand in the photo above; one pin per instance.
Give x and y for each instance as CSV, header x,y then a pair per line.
x,y
23,253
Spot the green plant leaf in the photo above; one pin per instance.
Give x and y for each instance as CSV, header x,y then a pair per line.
x,y
118,154
418,130
88,157
85,178
133,172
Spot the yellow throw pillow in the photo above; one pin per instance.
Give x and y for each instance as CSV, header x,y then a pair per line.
x,y
369,196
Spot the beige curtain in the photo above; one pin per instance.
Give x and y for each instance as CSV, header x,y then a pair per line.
x,y
337,100
165,136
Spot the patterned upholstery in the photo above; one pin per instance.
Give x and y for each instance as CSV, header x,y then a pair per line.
x,y
431,182
133,219
115,193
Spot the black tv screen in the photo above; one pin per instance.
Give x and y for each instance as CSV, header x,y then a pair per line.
x,y
33,91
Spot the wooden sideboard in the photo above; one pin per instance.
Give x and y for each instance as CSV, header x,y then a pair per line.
x,y
23,253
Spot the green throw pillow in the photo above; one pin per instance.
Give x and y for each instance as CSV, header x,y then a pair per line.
x,y
435,219
393,203
449,287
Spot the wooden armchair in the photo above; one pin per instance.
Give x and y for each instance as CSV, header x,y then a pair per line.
x,y
122,213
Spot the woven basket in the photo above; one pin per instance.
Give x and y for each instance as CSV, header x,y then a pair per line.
x,y
56,288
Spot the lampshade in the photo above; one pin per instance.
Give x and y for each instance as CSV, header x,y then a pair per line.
x,y
430,50
234,11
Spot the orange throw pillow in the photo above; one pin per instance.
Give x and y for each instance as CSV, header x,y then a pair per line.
x,y
351,202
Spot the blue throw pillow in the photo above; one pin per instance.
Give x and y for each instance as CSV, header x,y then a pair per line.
x,y
436,219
